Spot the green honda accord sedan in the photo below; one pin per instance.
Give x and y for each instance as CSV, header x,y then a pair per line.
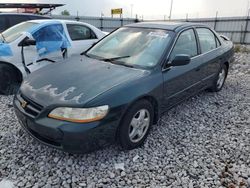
x,y
117,90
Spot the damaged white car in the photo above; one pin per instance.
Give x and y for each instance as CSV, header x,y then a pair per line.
x,y
31,45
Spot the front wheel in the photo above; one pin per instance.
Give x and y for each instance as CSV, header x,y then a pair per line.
x,y
135,125
220,79
8,80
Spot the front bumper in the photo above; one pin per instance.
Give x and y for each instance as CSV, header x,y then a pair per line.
x,y
67,136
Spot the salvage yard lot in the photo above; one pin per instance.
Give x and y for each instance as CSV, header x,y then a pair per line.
x,y
203,142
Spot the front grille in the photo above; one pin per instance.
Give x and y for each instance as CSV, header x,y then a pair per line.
x,y
30,107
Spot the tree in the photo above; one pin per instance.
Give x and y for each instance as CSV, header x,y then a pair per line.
x,y
65,13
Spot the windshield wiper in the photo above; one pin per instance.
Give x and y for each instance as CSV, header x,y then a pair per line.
x,y
111,60
123,64
114,58
84,53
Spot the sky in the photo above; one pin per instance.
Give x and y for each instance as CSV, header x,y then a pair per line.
x,y
148,9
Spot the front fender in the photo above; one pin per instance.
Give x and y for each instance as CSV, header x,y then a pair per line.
x,y
124,95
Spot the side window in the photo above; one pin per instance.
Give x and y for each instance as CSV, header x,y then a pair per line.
x,y
80,32
207,39
186,44
49,33
50,38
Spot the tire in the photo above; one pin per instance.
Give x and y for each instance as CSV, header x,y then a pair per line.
x,y
135,121
8,80
220,79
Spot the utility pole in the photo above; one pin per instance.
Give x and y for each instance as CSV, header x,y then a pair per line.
x,y
248,4
215,20
171,7
131,6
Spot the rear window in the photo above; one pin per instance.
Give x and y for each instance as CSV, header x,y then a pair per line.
x,y
14,32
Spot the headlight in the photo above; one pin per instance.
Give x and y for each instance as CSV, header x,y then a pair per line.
x,y
79,115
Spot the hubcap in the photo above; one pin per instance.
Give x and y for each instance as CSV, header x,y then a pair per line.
x,y
221,78
139,125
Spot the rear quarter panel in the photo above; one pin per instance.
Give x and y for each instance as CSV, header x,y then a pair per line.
x,y
228,52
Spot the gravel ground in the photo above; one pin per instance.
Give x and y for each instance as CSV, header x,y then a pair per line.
x,y
203,142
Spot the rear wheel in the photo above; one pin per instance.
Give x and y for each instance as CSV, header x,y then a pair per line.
x,y
135,125
8,80
220,79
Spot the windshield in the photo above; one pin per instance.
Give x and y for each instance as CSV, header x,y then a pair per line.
x,y
132,46
14,32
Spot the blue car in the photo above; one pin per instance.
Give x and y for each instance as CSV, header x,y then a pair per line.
x,y
118,89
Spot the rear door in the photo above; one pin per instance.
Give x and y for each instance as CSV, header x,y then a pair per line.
x,y
82,38
182,81
210,52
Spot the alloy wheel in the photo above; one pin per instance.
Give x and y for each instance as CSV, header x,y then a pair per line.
x,y
139,125
221,78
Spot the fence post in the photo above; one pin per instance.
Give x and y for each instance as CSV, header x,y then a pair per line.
x,y
77,17
187,17
241,34
101,19
121,22
136,19
245,32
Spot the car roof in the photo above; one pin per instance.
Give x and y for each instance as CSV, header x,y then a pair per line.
x,y
168,25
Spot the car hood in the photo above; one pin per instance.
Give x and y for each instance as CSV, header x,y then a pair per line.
x,y
75,81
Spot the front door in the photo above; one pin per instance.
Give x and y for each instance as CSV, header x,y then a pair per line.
x,y
181,82
50,42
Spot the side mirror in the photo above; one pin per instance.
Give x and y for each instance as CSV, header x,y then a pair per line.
x,y
27,42
180,60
